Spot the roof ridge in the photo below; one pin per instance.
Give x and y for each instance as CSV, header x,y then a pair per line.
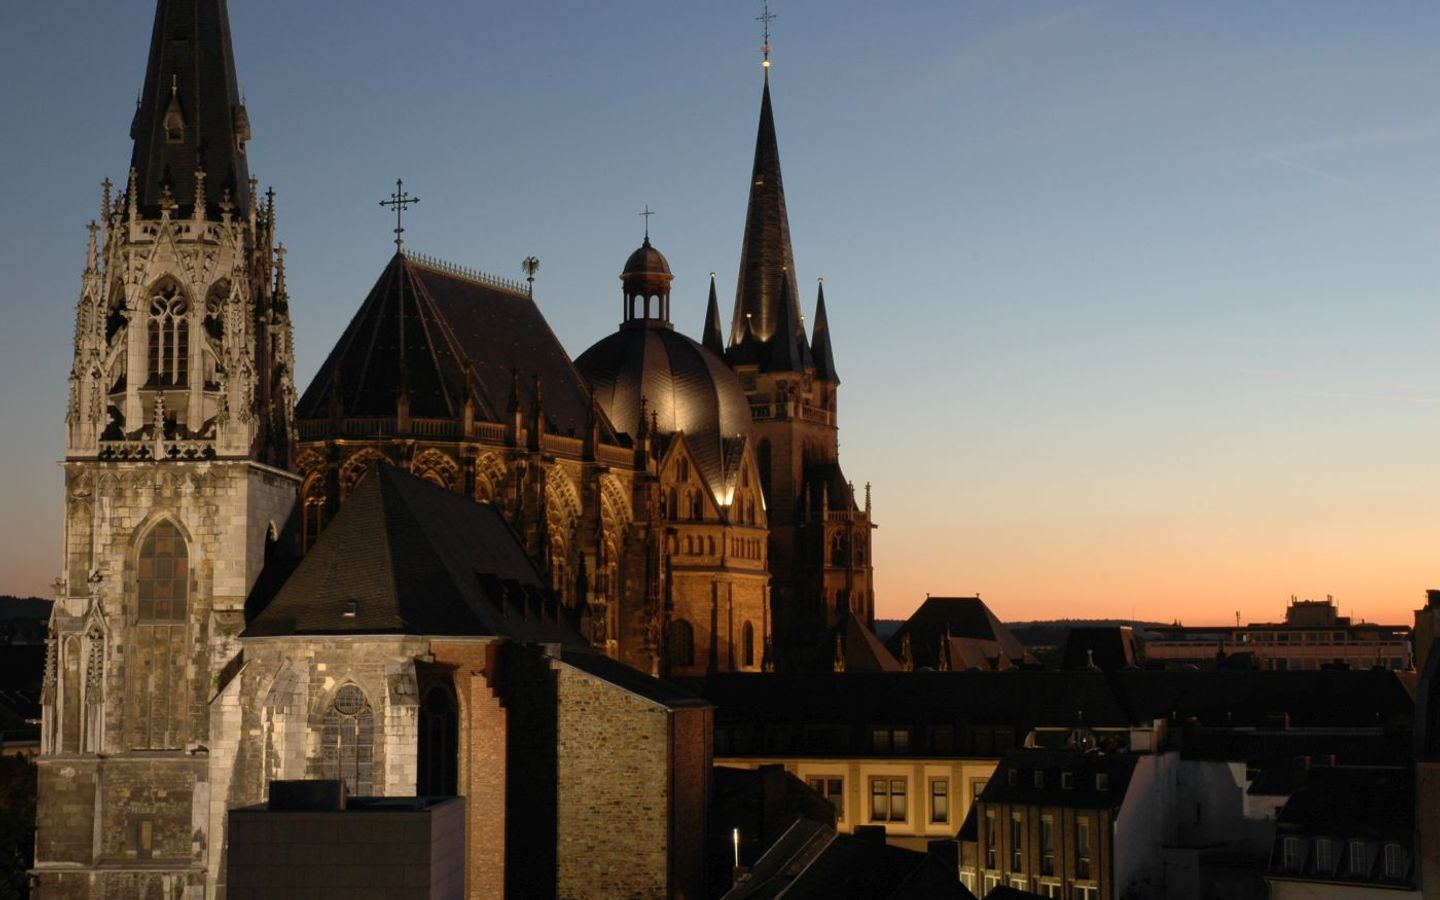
x,y
455,270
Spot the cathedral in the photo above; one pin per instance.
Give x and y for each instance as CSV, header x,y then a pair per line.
x,y
352,582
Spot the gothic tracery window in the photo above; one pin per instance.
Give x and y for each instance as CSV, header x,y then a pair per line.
x,y
164,570
682,643
169,337
348,753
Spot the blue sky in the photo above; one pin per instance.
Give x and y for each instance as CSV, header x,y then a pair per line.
x,y
1135,304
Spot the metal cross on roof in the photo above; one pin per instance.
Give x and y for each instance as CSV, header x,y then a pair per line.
x,y
764,19
399,201
647,214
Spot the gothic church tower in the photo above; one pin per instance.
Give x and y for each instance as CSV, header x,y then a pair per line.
x,y
819,534
179,436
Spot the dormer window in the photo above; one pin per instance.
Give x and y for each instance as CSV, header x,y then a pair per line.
x,y
1067,781
1102,781
1039,778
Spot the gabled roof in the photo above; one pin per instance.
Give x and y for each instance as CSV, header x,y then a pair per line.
x,y
974,632
404,556
442,335
190,82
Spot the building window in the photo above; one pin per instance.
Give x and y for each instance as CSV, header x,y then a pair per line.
x,y
1292,854
991,883
942,739
832,789
1017,882
989,839
939,800
164,570
697,507
1084,892
682,643
1359,859
439,744
1102,781
1047,845
349,749
887,800
1325,856
1017,837
1082,848
1039,778
1013,777
890,740
747,645
1396,861
169,337
1050,889
682,470
1067,781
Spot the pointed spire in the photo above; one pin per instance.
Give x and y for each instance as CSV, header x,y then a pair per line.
x,y
190,115
767,264
820,340
713,340
787,347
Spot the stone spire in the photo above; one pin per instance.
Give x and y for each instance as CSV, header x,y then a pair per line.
x,y
820,341
713,340
767,264
788,351
190,116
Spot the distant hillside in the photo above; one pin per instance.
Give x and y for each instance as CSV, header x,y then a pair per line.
x,y
24,608
886,627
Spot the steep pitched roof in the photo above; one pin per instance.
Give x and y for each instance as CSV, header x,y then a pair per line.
x,y
442,335
712,339
1040,779
190,114
404,556
767,263
864,652
820,341
973,629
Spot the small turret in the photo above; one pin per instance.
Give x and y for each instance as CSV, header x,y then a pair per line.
x,y
820,340
712,339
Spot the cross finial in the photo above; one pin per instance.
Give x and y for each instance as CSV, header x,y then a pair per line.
x,y
764,19
647,214
399,201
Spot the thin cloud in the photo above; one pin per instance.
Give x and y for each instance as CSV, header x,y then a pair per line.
x,y
1313,172
1355,395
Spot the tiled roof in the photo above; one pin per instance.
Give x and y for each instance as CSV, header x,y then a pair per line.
x,y
404,556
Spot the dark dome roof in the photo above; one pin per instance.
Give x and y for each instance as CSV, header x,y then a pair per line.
x,y
647,260
687,387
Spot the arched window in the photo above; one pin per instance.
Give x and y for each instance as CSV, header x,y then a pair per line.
x,y
313,519
682,643
673,509
689,545
156,714
164,583
697,506
169,337
747,645
682,469
710,546
439,743
837,549
348,753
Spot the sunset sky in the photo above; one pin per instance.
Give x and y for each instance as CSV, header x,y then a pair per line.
x,y
1136,305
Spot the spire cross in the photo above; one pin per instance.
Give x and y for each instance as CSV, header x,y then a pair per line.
x,y
764,19
399,201
647,214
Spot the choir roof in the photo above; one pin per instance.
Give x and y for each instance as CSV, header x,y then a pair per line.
x,y
442,334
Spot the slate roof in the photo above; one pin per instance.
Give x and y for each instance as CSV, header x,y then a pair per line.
x,y
657,691
404,556
812,861
1085,791
863,650
191,71
684,386
975,634
1358,801
1310,699
767,262
1109,647
444,335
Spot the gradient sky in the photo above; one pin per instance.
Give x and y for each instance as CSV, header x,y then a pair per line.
x,y
1135,304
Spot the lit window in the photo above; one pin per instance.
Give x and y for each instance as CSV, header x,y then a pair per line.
x,y
887,800
832,789
939,800
1082,848
1047,845
989,839
1017,838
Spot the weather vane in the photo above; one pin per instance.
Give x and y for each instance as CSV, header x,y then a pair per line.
x,y
764,20
399,201
647,214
